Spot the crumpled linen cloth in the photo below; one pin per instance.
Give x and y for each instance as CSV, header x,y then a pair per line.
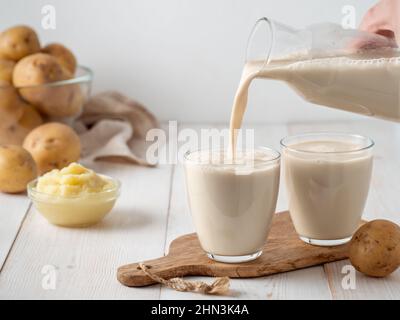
x,y
113,127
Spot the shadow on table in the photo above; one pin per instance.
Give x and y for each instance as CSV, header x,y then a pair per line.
x,y
124,219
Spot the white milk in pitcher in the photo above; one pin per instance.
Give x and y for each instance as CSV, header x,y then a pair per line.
x,y
353,83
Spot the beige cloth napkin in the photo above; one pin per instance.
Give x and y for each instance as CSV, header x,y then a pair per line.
x,y
113,127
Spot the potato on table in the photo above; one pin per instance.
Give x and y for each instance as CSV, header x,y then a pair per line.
x,y
375,248
53,146
31,75
17,168
18,42
63,55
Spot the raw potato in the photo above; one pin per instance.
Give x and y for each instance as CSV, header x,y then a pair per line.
x,y
18,42
58,100
16,132
63,55
17,168
6,70
375,248
11,105
37,69
53,146
30,118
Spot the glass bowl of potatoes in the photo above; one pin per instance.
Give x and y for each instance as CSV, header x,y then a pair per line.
x,y
24,108
58,99
37,84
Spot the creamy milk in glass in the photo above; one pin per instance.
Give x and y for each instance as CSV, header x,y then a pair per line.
x,y
232,209
327,177
326,208
232,203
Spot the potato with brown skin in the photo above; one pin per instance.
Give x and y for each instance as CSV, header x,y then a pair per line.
x,y
6,70
33,72
37,69
11,105
63,55
58,101
16,132
375,248
18,42
53,146
17,168
31,118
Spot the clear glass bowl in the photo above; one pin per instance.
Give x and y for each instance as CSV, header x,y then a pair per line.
x,y
75,211
59,100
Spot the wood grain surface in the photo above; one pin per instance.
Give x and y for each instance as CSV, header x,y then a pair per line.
x,y
283,251
152,211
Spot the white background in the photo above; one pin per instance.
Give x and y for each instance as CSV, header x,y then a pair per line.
x,y
181,58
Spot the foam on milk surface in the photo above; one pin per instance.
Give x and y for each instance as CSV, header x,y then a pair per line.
x,y
325,146
245,162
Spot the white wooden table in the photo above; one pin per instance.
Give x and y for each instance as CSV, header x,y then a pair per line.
x,y
152,211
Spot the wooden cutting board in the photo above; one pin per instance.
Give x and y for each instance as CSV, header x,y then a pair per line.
x,y
283,251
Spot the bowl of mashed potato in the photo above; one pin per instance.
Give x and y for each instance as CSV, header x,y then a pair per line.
x,y
74,196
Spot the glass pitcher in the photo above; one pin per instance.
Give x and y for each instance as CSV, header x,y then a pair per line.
x,y
327,65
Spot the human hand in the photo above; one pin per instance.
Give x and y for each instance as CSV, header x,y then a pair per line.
x,y
383,19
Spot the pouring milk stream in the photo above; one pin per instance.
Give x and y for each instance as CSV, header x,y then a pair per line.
x,y
324,64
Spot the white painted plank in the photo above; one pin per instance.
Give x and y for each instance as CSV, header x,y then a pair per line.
x,y
366,288
12,212
309,283
86,260
383,201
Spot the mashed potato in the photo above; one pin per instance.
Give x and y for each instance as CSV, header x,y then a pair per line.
x,y
74,180
74,196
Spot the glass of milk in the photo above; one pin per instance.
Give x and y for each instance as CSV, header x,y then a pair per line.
x,y
327,178
232,202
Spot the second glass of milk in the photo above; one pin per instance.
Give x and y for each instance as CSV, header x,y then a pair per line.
x,y
232,201
328,178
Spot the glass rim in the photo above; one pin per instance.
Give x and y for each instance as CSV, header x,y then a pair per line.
x,y
370,143
276,157
114,191
271,34
86,77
